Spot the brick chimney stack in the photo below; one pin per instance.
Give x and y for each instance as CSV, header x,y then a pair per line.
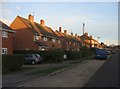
x,y
71,34
75,35
31,18
86,34
42,22
65,31
60,29
91,37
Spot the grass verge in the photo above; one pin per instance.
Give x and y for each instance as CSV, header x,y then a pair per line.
x,y
48,70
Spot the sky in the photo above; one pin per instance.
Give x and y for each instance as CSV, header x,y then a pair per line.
x,y
100,18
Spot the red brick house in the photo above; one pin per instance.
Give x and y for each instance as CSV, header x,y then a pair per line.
x,y
89,41
33,36
69,42
7,35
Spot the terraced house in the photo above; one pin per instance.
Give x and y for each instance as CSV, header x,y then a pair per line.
x,y
7,35
89,41
69,42
31,35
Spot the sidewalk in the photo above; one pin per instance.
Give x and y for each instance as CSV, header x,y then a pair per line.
x,y
74,77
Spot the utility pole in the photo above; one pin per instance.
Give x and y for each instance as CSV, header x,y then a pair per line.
x,y
83,34
83,28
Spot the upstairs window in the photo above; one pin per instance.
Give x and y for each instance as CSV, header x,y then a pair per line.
x,y
4,34
53,40
4,50
36,37
44,38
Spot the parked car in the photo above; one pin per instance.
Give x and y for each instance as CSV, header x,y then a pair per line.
x,y
65,57
33,58
101,54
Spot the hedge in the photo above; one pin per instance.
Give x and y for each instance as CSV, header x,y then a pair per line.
x,y
12,62
54,55
84,52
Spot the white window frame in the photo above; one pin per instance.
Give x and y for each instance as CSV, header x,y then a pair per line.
x,y
4,34
44,38
4,51
53,40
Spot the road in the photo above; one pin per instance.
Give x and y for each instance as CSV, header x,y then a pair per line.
x,y
107,75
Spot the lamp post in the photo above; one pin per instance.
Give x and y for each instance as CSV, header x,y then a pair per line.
x,y
83,34
98,41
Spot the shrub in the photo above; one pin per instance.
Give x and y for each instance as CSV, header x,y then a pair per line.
x,y
53,55
12,62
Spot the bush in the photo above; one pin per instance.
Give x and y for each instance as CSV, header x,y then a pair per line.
x,y
12,62
54,55
84,52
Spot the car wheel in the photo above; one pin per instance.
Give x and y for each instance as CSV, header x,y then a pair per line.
x,y
33,62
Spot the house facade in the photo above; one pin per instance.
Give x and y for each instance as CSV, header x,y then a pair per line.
x,y
7,35
69,42
33,36
89,42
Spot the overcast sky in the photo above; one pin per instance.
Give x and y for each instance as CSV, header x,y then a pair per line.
x,y
100,18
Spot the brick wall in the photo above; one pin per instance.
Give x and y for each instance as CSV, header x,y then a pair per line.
x,y
8,43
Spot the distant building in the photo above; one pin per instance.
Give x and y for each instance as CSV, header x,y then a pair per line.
x,y
89,41
69,42
7,35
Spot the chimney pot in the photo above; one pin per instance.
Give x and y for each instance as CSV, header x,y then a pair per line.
x,y
31,18
60,29
91,37
65,31
42,22
86,34
71,34
75,35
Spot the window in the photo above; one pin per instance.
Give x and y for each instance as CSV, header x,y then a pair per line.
x,y
53,40
36,37
4,34
44,38
4,50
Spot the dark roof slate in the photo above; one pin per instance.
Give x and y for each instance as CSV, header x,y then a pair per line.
x,y
4,26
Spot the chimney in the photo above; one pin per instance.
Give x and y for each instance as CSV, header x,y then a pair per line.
x,y
31,18
91,37
65,31
75,35
60,29
42,22
71,34
86,34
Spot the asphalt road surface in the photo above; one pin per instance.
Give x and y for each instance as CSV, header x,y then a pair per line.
x,y
107,75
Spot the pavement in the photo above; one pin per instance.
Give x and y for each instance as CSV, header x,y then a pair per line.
x,y
74,77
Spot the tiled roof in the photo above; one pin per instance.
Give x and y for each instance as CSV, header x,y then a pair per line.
x,y
30,25
4,26
67,37
85,37
46,31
